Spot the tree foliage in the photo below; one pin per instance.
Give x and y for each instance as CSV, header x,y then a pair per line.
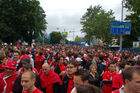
x,y
78,39
55,37
133,6
21,19
96,21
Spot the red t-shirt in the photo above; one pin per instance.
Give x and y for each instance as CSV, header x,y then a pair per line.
x,y
107,63
117,81
36,91
62,67
38,60
47,81
108,77
116,91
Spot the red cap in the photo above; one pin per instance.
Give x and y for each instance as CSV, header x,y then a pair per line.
x,y
105,55
118,59
9,64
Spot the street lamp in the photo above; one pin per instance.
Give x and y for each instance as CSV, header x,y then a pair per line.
x,y
121,37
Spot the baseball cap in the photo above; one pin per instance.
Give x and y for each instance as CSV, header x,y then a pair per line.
x,y
26,60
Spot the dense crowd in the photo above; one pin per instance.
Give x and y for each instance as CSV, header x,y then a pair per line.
x,y
68,69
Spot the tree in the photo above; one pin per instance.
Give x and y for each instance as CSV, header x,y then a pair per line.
x,y
21,19
133,6
96,22
78,39
55,37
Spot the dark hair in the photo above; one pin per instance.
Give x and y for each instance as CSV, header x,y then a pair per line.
x,y
23,51
40,53
138,62
111,63
73,63
60,57
43,62
83,74
27,52
128,73
7,52
27,66
122,64
17,52
101,57
87,89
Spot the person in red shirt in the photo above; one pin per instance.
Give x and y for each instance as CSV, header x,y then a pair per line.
x,y
8,55
68,83
24,55
38,59
27,81
131,79
16,59
2,61
24,62
60,68
107,78
50,81
7,78
117,81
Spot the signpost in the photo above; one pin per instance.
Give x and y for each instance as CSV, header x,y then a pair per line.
x,y
64,34
120,28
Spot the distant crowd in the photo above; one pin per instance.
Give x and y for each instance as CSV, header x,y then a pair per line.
x,y
68,69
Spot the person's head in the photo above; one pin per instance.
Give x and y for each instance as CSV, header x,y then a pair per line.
x,y
111,67
138,62
27,80
101,57
8,53
60,60
81,77
71,67
131,79
9,68
46,68
27,67
40,53
23,51
124,65
25,61
87,89
2,58
93,68
16,55
44,61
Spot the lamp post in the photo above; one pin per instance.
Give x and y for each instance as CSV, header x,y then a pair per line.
x,y
121,37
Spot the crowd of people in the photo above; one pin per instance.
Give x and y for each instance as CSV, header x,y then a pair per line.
x,y
68,69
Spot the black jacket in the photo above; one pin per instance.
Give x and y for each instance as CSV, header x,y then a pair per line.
x,y
17,85
94,81
57,70
65,84
57,88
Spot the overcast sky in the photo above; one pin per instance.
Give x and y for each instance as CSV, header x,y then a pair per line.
x,y
65,14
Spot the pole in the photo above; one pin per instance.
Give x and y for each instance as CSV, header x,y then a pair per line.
x,y
121,37
43,40
64,38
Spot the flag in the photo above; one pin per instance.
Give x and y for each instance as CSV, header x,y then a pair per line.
x,y
18,45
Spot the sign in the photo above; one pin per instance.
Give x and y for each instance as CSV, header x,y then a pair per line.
x,y
64,34
121,28
139,38
135,44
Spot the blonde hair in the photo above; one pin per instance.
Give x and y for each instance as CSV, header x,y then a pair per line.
x,y
92,66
